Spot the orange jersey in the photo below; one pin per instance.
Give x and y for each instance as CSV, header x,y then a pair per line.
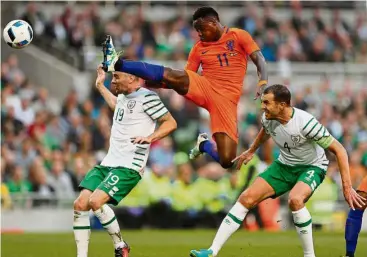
x,y
224,61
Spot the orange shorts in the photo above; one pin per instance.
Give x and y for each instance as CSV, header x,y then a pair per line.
x,y
363,186
223,112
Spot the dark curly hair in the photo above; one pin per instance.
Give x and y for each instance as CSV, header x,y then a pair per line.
x,y
205,11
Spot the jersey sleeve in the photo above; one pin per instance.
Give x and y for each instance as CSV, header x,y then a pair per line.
x,y
153,106
246,42
193,61
314,130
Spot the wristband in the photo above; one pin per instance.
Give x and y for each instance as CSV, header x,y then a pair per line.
x,y
262,82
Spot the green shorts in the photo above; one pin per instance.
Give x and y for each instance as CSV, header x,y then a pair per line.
x,y
282,178
117,182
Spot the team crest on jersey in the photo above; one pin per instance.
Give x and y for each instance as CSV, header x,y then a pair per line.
x,y
131,104
295,139
230,45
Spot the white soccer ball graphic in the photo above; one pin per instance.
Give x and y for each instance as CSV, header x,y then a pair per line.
x,y
18,34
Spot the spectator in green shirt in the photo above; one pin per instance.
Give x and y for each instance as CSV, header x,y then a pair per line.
x,y
17,183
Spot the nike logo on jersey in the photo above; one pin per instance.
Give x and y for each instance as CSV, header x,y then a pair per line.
x,y
204,52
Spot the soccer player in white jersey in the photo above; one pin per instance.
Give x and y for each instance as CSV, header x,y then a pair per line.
x,y
137,110
300,168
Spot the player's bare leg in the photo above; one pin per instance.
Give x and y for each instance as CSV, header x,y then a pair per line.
x,y
298,196
157,75
257,192
177,80
106,216
81,223
227,149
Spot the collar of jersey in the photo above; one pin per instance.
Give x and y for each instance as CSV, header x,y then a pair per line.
x,y
135,93
226,30
293,112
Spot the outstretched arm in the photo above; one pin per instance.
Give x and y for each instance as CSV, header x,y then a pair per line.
x,y
246,156
261,137
351,196
315,131
106,94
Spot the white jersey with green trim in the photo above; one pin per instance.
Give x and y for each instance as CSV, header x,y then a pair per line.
x,y
301,141
135,115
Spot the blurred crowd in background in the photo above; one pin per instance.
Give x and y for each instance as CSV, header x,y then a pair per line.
x,y
47,147
297,39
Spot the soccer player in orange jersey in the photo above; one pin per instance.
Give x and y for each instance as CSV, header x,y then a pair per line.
x,y
222,53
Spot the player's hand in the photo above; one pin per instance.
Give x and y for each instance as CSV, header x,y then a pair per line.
x,y
141,140
260,91
353,198
101,75
243,158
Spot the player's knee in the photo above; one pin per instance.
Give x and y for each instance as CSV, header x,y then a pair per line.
x,y
248,200
226,164
225,160
81,204
95,203
296,202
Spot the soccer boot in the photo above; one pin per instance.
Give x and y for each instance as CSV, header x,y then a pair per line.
x,y
201,253
110,56
195,152
122,251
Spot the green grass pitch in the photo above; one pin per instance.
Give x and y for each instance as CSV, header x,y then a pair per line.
x,y
175,243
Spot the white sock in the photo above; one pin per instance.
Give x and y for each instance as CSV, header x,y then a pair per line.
x,y
229,225
81,227
303,222
108,220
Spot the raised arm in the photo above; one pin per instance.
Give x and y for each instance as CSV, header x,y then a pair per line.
x,y
106,94
259,60
252,49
